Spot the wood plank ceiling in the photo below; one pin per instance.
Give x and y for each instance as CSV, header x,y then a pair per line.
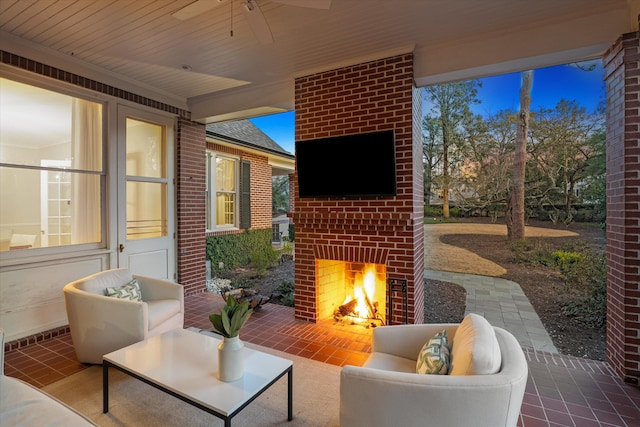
x,y
141,42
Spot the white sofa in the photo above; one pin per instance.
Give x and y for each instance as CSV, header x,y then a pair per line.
x,y
387,391
24,405
101,324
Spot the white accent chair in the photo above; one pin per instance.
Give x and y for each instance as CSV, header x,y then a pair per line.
x,y
100,324
386,391
22,405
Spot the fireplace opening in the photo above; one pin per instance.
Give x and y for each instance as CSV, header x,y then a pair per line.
x,y
351,292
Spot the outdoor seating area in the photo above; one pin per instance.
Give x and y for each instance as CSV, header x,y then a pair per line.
x,y
477,376
560,391
135,169
138,307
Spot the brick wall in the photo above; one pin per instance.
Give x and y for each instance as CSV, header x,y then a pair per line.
x,y
261,200
190,176
622,77
292,194
373,96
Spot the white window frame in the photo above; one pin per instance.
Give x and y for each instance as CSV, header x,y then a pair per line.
x,y
64,250
211,191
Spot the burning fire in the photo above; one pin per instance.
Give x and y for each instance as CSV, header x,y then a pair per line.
x,y
363,289
361,305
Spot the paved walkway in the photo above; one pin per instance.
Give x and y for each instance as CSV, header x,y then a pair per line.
x,y
502,302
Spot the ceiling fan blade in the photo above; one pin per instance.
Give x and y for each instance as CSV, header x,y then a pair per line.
x,y
313,4
195,9
257,22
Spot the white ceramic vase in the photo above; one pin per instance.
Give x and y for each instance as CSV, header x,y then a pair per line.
x,y
230,359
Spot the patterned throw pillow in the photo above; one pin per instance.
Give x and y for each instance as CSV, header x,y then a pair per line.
x,y
435,355
129,291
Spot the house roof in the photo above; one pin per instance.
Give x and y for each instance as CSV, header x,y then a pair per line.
x,y
212,65
245,134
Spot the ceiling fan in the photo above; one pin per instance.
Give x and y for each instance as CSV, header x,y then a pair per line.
x,y
250,10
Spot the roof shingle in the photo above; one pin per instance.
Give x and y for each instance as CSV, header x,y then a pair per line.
x,y
243,132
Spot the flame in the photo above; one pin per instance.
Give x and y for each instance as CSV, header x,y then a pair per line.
x,y
363,287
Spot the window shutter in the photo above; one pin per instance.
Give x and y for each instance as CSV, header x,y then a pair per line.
x,y
245,197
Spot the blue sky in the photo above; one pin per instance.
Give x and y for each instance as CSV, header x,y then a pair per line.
x,y
550,85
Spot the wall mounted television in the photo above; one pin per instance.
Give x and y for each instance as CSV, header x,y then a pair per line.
x,y
359,165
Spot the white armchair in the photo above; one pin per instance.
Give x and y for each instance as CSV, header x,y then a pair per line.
x,y
386,391
101,324
24,405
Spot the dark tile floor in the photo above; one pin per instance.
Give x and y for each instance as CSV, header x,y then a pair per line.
x,y
561,391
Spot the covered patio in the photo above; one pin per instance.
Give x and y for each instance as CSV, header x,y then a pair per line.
x,y
561,390
344,69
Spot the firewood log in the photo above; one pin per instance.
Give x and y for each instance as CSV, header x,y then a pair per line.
x,y
347,308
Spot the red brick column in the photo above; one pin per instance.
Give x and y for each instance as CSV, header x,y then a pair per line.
x,y
622,77
191,211
368,97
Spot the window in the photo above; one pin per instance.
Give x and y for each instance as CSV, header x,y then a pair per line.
x,y
52,180
222,191
146,180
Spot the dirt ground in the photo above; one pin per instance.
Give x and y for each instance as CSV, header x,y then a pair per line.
x,y
542,285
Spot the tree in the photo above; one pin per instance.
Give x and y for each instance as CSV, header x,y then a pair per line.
x,y
488,169
431,153
594,190
450,106
279,194
515,212
565,139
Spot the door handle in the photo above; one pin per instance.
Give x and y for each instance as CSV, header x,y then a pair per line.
x,y
121,247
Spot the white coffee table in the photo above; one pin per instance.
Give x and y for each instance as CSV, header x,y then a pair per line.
x,y
184,364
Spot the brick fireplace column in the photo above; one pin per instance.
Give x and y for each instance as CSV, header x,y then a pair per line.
x,y
622,77
373,96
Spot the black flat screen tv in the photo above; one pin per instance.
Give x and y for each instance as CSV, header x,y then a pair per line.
x,y
359,165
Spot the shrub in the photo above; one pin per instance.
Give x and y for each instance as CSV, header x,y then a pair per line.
x,y
287,249
263,257
585,276
583,271
230,251
286,290
243,282
532,252
432,211
564,260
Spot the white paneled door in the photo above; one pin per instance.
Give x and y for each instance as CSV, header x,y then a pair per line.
x,y
55,210
146,194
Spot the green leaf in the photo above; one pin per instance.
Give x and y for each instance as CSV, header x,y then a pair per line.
x,y
226,323
236,324
231,302
232,317
244,319
240,316
216,321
